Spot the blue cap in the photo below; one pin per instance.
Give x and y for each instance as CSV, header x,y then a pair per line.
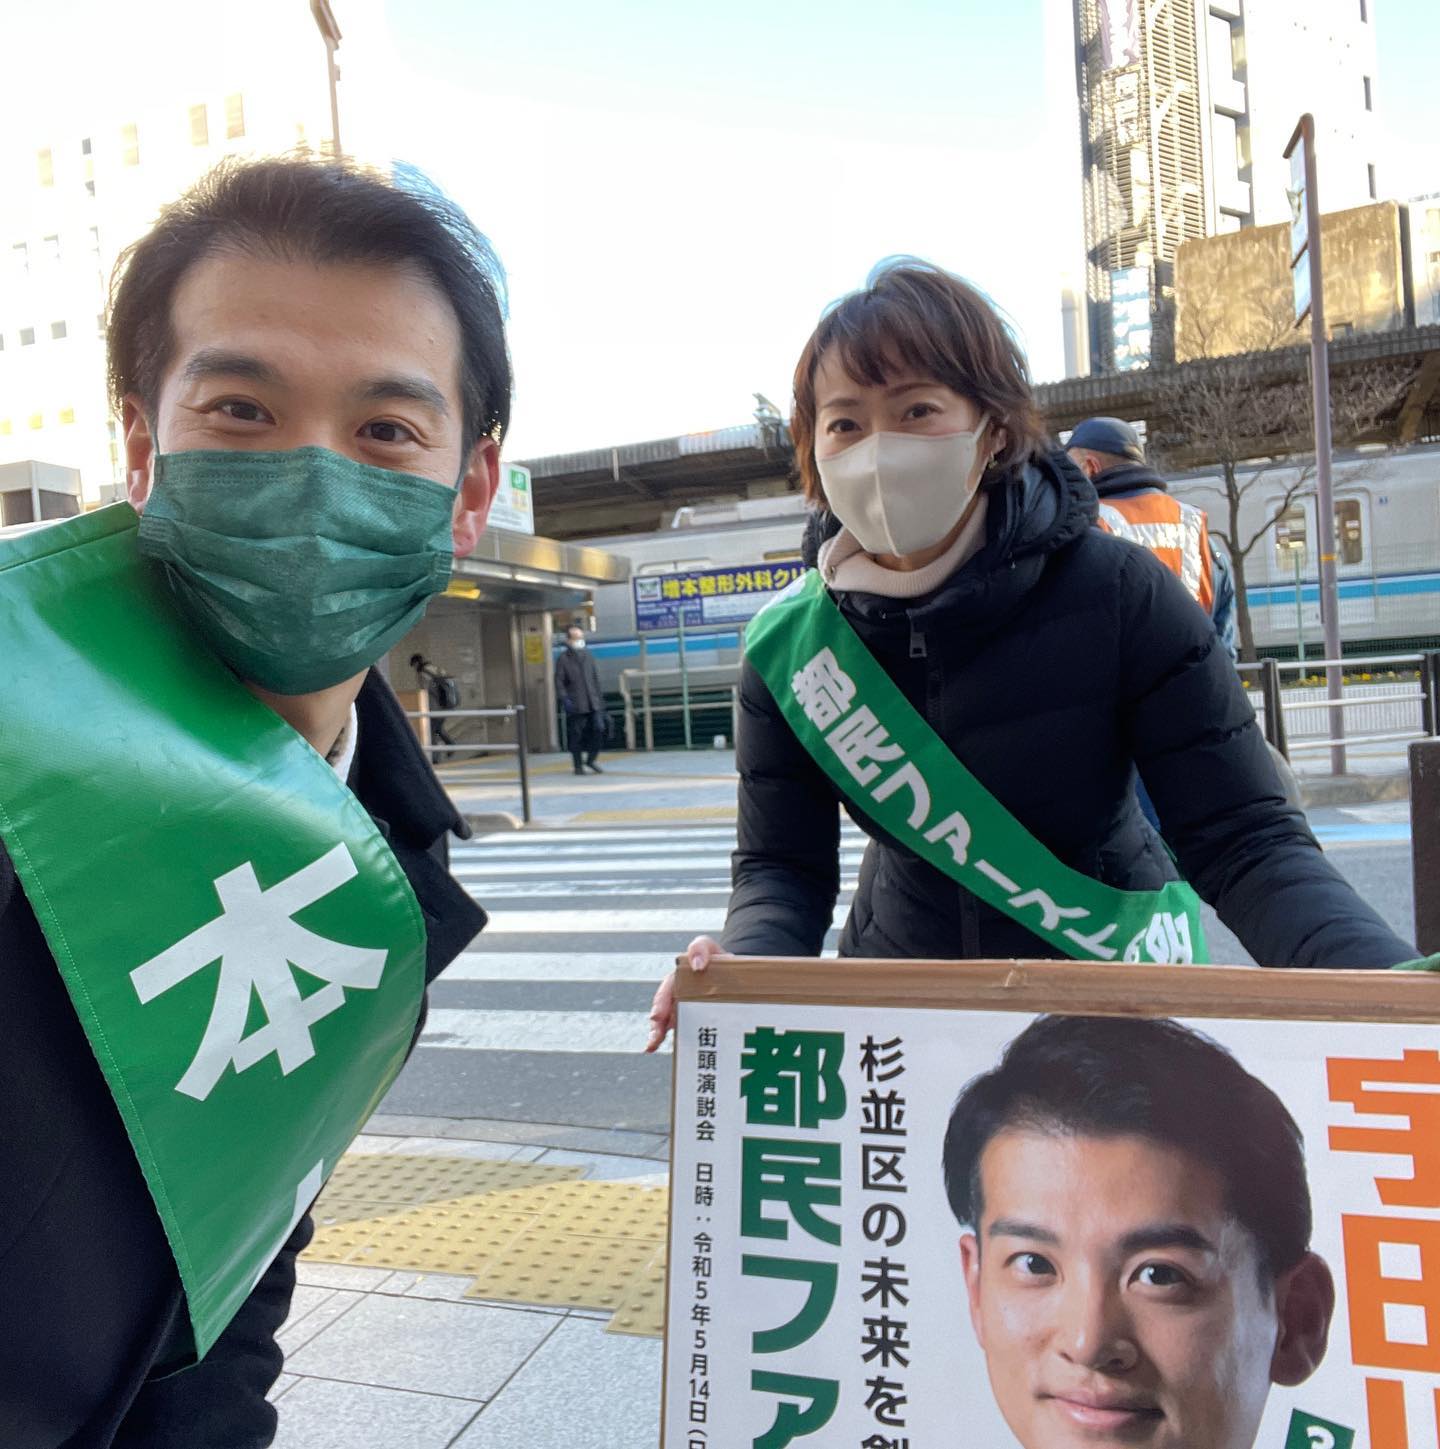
x,y
1108,435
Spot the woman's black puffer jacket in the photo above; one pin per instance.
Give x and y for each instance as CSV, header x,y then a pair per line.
x,y
1054,663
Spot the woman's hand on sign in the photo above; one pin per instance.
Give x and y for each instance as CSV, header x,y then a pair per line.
x,y
701,951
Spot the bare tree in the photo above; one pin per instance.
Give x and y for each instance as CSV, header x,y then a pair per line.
x,y
1252,418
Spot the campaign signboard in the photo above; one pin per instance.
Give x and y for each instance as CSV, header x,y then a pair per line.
x,y
709,596
1051,1204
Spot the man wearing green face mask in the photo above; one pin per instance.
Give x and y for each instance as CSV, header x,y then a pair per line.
x,y
311,367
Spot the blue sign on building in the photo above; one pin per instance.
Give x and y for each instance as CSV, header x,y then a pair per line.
x,y
709,596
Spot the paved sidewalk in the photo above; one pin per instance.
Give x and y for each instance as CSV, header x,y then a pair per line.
x,y
636,788
699,785
382,1357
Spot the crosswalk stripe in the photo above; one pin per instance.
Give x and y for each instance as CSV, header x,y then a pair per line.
x,y
646,867
708,889
612,842
608,1032
661,918
550,966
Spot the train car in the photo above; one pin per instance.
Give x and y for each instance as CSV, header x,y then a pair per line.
x,y
1387,514
1387,532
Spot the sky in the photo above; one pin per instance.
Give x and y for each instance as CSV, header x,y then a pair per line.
x,y
677,190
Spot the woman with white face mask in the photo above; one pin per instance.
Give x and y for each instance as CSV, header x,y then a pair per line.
x,y
976,673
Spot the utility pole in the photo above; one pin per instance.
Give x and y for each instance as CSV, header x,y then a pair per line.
x,y
1309,285
329,29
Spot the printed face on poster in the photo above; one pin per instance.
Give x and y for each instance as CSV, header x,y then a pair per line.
x,y
894,1226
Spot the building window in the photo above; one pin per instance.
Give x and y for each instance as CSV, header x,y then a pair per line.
x,y
27,337
37,421
234,116
1364,12
52,248
67,415
57,331
1370,174
1342,329
85,147
130,144
199,125
45,167
89,188
1369,94
95,242
20,259
4,427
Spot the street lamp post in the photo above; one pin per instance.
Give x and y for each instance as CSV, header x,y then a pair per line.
x,y
1310,296
329,29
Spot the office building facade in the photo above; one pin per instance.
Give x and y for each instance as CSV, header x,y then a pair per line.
x,y
1186,107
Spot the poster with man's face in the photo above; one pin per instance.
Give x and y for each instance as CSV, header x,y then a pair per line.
x,y
898,1227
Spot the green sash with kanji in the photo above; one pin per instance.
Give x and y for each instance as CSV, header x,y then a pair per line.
x,y
244,952
868,738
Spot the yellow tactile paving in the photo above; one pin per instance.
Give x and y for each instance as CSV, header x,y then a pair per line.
x,y
381,1177
526,1232
641,1310
570,1269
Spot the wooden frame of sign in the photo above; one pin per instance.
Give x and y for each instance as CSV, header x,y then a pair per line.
x,y
1240,1000
1070,987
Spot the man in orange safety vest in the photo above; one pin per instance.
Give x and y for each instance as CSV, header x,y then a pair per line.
x,y
1135,505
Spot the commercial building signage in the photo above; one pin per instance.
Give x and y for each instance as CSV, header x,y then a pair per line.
x,y
1025,1216
514,505
709,596
1130,318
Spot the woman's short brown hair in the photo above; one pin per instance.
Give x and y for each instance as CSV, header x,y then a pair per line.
x,y
910,314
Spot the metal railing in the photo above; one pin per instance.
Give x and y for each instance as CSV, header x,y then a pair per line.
x,y
519,748
1392,713
640,723
1425,841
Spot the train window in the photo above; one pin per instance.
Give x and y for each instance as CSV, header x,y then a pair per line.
x,y
1349,531
1290,537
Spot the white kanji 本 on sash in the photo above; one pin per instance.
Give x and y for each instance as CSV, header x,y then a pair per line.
x,y
823,690
859,739
256,942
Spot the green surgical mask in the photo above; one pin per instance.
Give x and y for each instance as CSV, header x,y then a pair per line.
x,y
299,568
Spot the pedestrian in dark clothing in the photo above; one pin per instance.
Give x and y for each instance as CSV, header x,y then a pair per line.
x,y
298,507
577,687
443,694
1046,656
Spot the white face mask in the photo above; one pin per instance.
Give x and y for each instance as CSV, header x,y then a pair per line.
x,y
899,493
576,643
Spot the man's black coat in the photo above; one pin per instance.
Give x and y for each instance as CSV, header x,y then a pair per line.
x,y
1054,663
90,1301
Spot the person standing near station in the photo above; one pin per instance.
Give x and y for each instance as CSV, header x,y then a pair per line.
x,y
1135,504
577,687
311,366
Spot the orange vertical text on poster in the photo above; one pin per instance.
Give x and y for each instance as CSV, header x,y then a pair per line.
x,y
1392,1263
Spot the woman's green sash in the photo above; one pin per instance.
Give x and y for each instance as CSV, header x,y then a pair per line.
x,y
244,952
868,738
